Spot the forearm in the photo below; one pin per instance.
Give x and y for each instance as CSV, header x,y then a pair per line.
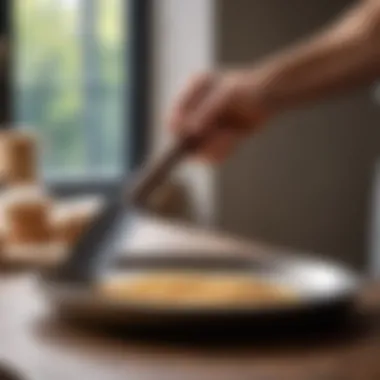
x,y
344,56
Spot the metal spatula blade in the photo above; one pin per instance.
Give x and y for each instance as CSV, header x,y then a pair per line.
x,y
101,242
98,243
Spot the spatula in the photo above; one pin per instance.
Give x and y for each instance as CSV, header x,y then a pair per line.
x,y
157,170
99,244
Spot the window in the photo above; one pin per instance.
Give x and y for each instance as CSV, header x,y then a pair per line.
x,y
79,81
5,80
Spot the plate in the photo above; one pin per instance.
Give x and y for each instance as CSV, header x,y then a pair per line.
x,y
327,293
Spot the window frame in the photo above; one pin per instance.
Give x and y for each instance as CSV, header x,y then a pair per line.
x,y
138,24
5,74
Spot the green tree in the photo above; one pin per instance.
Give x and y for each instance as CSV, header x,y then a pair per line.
x,y
49,75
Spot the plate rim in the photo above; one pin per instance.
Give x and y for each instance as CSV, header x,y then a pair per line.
x,y
70,294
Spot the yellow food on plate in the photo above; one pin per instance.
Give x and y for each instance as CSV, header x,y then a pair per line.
x,y
196,289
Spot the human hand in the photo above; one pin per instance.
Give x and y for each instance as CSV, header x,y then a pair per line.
x,y
226,103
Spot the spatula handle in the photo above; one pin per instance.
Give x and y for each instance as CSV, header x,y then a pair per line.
x,y
157,170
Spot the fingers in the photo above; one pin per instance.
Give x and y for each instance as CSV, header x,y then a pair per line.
x,y
189,100
222,107
197,88
203,108
220,146
208,113
216,109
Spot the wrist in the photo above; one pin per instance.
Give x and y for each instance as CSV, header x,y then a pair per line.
x,y
259,84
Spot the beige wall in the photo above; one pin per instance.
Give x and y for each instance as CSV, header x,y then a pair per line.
x,y
305,181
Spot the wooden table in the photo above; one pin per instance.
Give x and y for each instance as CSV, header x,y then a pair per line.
x,y
43,349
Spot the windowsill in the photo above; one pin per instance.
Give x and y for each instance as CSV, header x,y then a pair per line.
x,y
76,178
69,184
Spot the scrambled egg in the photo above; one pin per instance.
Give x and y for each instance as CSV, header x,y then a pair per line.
x,y
196,289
